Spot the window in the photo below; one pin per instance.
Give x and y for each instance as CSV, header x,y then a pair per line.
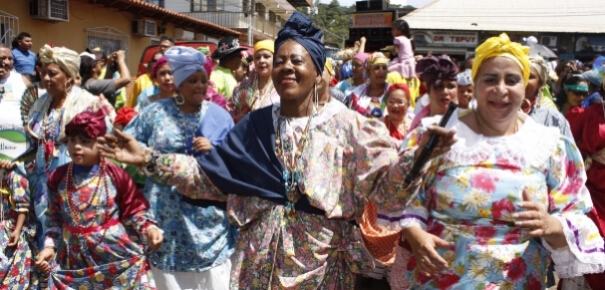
x,y
107,38
9,28
156,2
207,5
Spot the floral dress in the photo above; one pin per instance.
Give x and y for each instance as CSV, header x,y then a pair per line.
x,y
97,225
366,105
16,263
470,193
197,237
349,160
49,126
246,96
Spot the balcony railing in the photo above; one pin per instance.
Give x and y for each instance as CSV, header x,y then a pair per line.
x,y
237,20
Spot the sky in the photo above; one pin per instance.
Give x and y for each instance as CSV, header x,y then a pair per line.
x,y
415,3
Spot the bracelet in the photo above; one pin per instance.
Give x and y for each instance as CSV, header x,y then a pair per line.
x,y
151,160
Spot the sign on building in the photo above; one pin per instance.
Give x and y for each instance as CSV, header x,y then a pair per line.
x,y
445,38
371,20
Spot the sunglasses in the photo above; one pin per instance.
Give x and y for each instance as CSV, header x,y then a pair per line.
x,y
579,93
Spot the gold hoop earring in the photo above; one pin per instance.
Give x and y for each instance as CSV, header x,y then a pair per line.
x,y
179,99
315,98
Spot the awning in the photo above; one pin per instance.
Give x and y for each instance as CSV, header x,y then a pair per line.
x,y
144,9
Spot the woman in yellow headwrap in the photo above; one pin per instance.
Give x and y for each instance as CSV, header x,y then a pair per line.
x,y
368,99
507,198
256,91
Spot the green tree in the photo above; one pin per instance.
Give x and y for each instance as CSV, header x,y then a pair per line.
x,y
333,19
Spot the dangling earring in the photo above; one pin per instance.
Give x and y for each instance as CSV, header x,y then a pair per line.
x,y
179,99
315,98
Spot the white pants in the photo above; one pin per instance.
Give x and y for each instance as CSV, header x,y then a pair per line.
x,y
216,278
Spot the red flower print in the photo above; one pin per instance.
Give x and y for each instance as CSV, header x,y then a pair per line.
x,y
515,269
421,278
505,164
502,206
82,198
15,272
23,182
512,237
446,281
534,283
483,181
90,272
113,270
484,233
69,278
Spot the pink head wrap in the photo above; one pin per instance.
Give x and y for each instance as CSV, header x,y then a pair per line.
x,y
361,56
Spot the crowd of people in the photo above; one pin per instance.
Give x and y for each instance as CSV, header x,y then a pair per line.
x,y
285,169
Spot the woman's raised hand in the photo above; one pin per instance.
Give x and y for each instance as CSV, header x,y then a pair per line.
x,y
122,148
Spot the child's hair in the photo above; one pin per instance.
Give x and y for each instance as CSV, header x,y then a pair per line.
x,y
575,79
403,26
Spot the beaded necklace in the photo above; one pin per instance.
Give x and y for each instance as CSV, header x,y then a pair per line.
x,y
71,188
261,94
48,145
187,130
292,173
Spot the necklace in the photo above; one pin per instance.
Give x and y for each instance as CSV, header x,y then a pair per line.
x,y
292,173
48,144
187,129
71,189
261,94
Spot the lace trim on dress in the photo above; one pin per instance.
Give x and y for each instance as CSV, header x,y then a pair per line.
x,y
531,146
580,256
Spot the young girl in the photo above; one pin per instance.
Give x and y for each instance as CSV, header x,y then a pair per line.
x,y
17,232
405,63
97,219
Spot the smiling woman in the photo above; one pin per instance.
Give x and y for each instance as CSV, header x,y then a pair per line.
x,y
295,176
506,199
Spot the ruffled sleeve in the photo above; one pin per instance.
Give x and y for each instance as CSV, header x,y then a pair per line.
x,y
569,203
416,213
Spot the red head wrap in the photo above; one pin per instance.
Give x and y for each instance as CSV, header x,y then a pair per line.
x,y
91,124
402,87
124,116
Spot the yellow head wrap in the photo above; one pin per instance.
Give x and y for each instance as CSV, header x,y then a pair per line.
x,y
267,44
329,66
502,46
67,59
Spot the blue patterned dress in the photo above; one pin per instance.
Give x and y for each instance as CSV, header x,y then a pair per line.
x,y
197,237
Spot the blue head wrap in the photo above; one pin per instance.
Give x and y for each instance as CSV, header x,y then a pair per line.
x,y
183,62
346,70
300,29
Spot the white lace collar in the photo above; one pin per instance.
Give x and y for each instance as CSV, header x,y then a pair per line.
x,y
329,110
532,145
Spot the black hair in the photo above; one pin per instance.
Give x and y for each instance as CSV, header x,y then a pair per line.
x,y
86,65
575,79
164,37
403,26
21,35
37,75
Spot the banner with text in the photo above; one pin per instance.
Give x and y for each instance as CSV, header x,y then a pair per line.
x,y
371,20
445,38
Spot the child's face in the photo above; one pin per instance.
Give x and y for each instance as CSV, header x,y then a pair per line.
x,y
465,95
83,151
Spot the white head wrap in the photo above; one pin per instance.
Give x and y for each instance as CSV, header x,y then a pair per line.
x,y
183,62
67,59
464,78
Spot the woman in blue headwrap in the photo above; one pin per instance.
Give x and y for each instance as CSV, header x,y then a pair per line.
x,y
198,237
295,177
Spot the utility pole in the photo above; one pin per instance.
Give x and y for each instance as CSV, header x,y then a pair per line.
x,y
250,16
